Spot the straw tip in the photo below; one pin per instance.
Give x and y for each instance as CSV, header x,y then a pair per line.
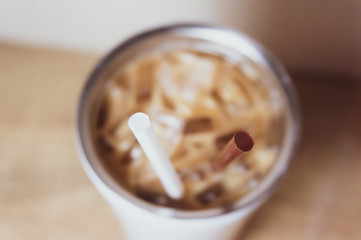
x,y
243,141
176,193
139,121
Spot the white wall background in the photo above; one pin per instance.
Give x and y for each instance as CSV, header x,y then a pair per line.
x,y
314,35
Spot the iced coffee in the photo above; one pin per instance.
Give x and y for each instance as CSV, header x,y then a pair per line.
x,y
196,102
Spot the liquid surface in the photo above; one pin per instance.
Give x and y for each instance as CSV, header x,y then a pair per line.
x,y
196,102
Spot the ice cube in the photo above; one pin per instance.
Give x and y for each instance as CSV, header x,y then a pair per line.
x,y
186,78
169,130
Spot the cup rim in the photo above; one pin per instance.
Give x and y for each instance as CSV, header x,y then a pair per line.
x,y
248,202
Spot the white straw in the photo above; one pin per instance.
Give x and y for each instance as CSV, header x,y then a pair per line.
x,y
143,131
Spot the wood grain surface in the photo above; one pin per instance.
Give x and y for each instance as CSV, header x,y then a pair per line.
x,y
44,193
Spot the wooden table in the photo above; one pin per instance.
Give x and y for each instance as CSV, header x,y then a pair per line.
x,y
44,193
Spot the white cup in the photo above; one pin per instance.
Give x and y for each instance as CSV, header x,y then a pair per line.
x,y
142,220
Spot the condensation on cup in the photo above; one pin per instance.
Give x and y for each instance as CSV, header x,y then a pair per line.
x,y
198,84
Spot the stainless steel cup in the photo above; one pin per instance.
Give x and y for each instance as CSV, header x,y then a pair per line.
x,y
143,220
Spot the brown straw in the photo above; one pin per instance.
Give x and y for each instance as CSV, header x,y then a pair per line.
x,y
240,143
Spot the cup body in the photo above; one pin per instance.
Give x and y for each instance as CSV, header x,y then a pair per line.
x,y
141,220
138,224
